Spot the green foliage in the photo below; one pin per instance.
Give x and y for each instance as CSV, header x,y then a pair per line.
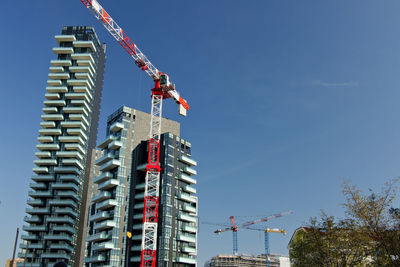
x,y
368,236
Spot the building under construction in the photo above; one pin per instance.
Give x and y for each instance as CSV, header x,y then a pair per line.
x,y
242,260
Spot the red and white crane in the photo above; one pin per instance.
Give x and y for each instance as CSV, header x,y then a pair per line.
x,y
163,88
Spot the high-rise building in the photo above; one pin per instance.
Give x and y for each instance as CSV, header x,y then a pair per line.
x,y
117,208
57,216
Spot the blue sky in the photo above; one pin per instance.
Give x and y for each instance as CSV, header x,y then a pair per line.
x,y
287,99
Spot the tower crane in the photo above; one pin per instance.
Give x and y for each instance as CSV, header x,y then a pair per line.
x,y
234,227
163,89
267,251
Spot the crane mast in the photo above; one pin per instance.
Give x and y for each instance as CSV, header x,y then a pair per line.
x,y
163,88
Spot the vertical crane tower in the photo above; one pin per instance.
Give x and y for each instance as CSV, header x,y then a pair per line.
x,y
163,88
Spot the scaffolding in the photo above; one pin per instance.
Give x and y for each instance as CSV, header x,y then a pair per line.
x,y
242,260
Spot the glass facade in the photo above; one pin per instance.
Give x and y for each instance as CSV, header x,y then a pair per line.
x,y
58,199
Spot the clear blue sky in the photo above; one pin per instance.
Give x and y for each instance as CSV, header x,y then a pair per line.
x,y
287,98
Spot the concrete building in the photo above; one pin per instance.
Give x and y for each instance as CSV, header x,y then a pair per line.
x,y
242,260
117,207
58,200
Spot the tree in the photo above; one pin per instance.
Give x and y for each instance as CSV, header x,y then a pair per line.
x,y
369,235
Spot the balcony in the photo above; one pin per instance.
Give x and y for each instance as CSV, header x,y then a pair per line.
x,y
48,124
55,103
69,154
52,96
79,83
98,237
139,196
65,38
116,127
88,44
108,184
43,178
76,131
58,76
188,249
186,238
186,260
135,259
189,208
37,185
73,124
108,140
187,179
70,178
94,259
52,131
138,226
78,96
59,62
105,225
187,160
81,69
39,170
73,170
54,82
56,69
67,229
59,255
110,165
45,162
67,211
102,177
35,202
76,147
187,218
186,197
83,89
76,110
63,50
71,139
58,237
63,203
115,145
81,56
62,247
138,216
101,196
52,117
189,170
74,162
107,204
65,186
62,219
84,76
141,167
105,158
45,139
189,189
100,216
79,117
136,248
32,219
81,103
32,211
85,62
36,194
137,237
140,186
29,237
102,246
138,206
70,194
31,228
48,110
32,246
189,229
57,89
